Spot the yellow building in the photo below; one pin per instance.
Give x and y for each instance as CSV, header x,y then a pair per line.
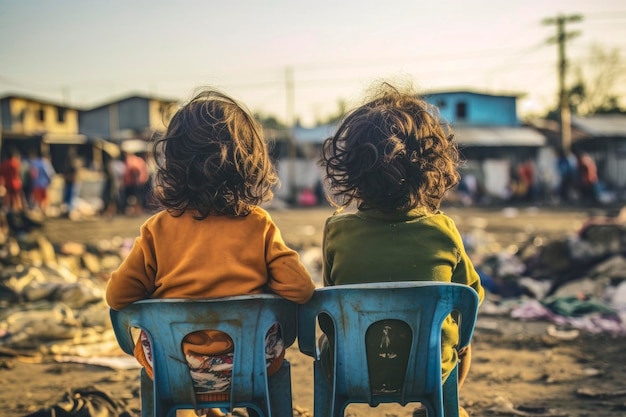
x,y
28,116
30,124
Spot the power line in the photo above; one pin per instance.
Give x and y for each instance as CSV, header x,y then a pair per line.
x,y
615,15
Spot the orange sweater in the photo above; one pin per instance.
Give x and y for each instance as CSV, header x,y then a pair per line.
x,y
220,256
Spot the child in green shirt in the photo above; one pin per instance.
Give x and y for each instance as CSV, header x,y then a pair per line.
x,y
394,159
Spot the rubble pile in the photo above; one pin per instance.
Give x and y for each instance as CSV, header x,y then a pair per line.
x,y
578,281
52,296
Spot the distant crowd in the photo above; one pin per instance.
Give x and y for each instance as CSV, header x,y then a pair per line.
x,y
25,182
577,181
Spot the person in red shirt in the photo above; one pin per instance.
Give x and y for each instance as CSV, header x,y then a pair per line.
x,y
11,180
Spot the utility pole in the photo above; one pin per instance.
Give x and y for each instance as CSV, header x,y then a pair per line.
x,y
291,140
562,36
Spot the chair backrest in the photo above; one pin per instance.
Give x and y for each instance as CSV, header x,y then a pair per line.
x,y
423,306
246,319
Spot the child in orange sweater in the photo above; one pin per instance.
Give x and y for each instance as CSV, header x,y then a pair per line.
x,y
212,240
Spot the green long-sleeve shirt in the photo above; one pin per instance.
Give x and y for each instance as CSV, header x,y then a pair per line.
x,y
370,246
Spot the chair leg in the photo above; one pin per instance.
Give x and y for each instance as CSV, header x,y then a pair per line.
x,y
324,401
147,395
451,394
280,395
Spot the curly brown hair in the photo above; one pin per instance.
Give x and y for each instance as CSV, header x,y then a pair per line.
x,y
212,159
391,154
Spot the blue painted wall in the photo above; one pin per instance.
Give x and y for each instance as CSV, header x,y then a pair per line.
x,y
132,113
6,115
479,109
95,123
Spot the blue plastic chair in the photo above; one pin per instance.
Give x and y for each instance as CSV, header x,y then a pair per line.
x,y
423,306
246,319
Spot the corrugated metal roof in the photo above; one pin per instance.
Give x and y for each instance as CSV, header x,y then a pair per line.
x,y
470,92
465,135
131,96
317,134
498,136
602,124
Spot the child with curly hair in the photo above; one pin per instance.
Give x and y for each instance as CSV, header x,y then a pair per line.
x,y
212,239
394,159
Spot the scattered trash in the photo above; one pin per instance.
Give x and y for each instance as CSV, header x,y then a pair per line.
x,y
503,406
560,334
577,281
114,362
592,372
52,298
593,393
85,402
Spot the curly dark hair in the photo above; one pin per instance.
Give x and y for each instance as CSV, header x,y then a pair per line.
x,y
212,159
391,154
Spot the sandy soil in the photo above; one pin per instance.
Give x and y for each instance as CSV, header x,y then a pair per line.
x,y
518,369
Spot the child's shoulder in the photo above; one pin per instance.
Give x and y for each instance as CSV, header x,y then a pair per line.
x,y
259,214
157,219
339,217
441,216
445,224
259,211
441,219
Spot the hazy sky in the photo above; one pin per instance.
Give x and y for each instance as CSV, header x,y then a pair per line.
x,y
84,52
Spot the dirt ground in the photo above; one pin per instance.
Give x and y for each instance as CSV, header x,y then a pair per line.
x,y
518,369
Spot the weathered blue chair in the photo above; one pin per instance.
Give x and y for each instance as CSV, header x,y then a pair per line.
x,y
423,306
246,319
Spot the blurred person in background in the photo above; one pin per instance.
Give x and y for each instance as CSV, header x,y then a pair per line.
x,y
587,176
134,179
41,173
112,189
70,178
566,168
11,182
